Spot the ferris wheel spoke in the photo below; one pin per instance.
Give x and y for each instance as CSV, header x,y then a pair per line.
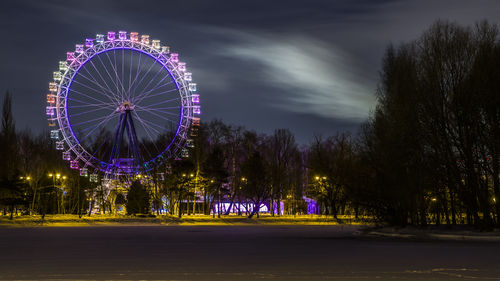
x,y
146,130
102,123
142,96
130,74
91,79
91,120
158,86
105,83
118,75
144,75
87,112
161,116
97,150
151,80
146,149
123,87
87,86
158,103
160,111
89,104
117,78
90,97
136,73
109,75
158,94
159,108
150,123
95,82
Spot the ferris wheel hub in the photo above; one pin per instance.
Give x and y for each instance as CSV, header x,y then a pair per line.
x,y
125,106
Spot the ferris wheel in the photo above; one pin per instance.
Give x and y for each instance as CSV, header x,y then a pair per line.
x,y
122,104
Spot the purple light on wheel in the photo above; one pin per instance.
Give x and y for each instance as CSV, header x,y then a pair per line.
x,y
174,57
111,36
195,98
122,35
89,42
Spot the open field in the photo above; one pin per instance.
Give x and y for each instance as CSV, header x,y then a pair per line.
x,y
96,220
285,252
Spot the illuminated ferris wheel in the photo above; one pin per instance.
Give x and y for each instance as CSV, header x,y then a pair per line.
x,y
122,104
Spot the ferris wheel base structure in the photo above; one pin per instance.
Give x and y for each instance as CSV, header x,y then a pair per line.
x,y
121,105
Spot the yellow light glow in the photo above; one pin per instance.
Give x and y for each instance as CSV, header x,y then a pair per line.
x,y
28,178
58,175
64,177
50,175
316,177
433,199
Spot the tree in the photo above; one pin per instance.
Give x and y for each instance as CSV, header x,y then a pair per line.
x,y
8,143
256,184
429,143
137,199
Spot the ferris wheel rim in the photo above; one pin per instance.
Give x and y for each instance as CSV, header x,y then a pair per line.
x,y
182,87
131,49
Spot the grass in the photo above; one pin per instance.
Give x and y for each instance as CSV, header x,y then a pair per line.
x,y
110,220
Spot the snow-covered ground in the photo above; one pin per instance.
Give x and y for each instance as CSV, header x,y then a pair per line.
x,y
277,252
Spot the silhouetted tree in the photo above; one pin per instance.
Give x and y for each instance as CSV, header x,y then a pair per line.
x,y
137,199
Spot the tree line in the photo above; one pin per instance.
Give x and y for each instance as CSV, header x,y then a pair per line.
x,y
428,154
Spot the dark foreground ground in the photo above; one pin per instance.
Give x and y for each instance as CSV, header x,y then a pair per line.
x,y
235,253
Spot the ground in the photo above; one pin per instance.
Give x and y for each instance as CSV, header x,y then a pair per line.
x,y
236,252
94,220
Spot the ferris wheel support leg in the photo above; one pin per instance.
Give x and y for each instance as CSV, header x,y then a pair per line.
x,y
132,137
115,152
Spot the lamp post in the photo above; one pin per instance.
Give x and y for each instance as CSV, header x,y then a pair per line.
x,y
58,177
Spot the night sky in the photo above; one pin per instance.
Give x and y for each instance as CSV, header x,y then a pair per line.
x,y
310,66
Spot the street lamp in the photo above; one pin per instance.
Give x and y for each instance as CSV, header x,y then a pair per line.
x,y
60,178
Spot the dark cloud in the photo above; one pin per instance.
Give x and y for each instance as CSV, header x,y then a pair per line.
x,y
311,66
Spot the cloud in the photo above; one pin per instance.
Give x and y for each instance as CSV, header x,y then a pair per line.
x,y
312,77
